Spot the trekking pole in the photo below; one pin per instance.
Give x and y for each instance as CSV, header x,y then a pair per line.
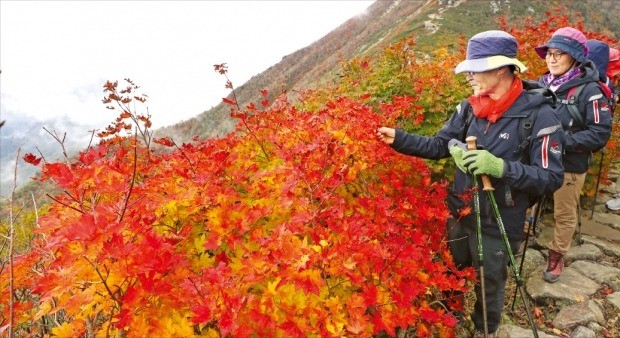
x,y
471,145
598,180
489,189
532,224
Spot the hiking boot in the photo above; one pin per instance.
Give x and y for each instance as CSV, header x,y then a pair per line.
x,y
555,264
613,204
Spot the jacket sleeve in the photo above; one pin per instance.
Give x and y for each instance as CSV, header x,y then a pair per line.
x,y
598,123
545,173
433,147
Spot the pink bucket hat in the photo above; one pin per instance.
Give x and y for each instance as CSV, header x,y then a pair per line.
x,y
566,39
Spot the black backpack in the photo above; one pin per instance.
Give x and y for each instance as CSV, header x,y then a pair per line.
x,y
572,102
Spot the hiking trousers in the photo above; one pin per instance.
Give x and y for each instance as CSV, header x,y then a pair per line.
x,y
463,244
565,204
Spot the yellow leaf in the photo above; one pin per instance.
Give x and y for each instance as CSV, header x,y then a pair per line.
x,y
334,328
76,247
349,264
199,243
271,287
211,333
64,330
301,263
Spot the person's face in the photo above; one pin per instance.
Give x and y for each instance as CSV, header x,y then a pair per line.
x,y
558,62
483,83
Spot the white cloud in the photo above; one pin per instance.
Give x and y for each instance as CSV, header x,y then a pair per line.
x,y
56,55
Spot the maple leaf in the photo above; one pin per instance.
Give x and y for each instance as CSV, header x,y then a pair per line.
x,y
32,159
292,329
429,315
60,172
164,141
229,101
465,211
124,318
202,314
82,230
538,312
356,327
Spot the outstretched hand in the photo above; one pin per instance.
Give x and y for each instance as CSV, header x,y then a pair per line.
x,y
386,135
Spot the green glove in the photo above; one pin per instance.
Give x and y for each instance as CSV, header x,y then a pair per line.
x,y
482,162
457,149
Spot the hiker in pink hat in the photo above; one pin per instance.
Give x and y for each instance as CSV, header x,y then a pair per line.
x,y
584,112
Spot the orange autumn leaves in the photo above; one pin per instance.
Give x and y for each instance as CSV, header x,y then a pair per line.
x,y
298,223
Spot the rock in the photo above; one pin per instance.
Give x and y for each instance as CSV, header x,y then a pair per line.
x,y
579,314
597,272
614,299
583,252
583,332
610,219
513,331
610,249
572,287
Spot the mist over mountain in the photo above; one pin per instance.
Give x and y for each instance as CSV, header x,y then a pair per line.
x,y
29,135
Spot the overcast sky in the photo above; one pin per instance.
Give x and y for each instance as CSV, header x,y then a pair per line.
x,y
55,56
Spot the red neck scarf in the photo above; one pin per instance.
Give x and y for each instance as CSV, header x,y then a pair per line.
x,y
487,108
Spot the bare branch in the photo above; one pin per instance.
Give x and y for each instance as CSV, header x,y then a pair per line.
x,y
11,250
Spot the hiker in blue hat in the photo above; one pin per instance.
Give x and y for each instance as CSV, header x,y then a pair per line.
x,y
585,115
519,171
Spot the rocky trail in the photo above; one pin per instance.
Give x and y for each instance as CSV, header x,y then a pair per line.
x,y
585,302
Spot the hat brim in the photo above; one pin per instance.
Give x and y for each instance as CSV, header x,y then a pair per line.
x,y
542,50
485,64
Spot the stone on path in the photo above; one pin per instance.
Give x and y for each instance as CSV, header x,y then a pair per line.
x,y
597,272
609,248
513,331
583,252
572,287
583,332
575,315
614,299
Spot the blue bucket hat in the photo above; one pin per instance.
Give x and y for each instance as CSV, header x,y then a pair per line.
x,y
490,50
569,40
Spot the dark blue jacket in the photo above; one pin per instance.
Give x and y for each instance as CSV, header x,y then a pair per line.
x,y
523,182
594,107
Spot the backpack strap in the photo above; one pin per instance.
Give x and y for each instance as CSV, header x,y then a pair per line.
x,y
571,103
526,125
468,116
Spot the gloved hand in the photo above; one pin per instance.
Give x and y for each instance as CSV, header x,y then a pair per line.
x,y
457,148
482,162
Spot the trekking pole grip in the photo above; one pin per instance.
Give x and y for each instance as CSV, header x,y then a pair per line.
x,y
486,182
